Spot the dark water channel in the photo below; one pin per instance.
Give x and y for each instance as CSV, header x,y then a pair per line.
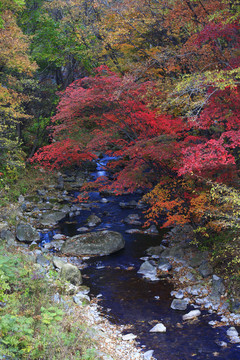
x,y
128,299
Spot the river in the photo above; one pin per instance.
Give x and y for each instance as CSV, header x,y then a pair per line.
x,y
127,298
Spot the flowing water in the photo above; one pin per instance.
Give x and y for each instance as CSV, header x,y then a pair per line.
x,y
128,299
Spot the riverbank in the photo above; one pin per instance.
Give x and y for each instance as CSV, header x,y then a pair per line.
x,y
46,206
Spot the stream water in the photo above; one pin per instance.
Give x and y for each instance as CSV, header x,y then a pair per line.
x,y
129,299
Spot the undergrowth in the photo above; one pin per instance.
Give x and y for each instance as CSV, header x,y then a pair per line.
x,y
32,325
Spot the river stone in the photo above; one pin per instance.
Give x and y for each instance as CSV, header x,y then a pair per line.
x,y
218,287
152,230
148,355
198,259
51,218
97,243
128,337
93,220
155,250
3,226
233,334
179,304
147,267
164,265
8,236
159,328
71,273
27,233
191,315
205,269
58,262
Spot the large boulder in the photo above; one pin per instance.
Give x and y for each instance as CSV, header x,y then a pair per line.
x,y
27,233
97,243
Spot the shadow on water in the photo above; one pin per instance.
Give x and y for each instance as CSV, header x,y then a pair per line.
x,y
128,299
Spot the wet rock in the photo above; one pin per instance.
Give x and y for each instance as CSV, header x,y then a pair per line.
x,y
148,269
179,304
27,233
71,273
97,243
175,252
93,220
52,218
159,328
205,269
191,315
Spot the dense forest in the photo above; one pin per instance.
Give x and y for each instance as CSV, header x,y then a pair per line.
x,y
153,83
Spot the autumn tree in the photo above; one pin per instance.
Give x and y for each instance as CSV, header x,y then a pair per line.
x,y
14,66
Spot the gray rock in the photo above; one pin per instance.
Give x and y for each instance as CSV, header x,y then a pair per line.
x,y
147,266
179,304
42,260
178,294
133,219
155,250
133,231
58,262
71,273
164,265
83,229
218,287
3,226
191,315
205,269
8,236
97,243
27,233
52,218
198,259
129,337
148,355
65,209
81,298
233,335
128,205
152,230
159,328
93,220
56,244
149,270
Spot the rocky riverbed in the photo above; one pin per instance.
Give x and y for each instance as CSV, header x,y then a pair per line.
x,y
197,292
